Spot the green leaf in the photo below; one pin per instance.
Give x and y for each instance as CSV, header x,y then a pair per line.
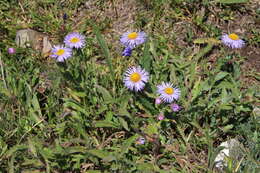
x,y
227,128
122,109
71,104
77,93
151,129
123,123
105,93
32,147
225,107
204,51
231,1
100,153
127,143
105,50
146,105
146,59
145,167
15,148
75,149
93,171
207,40
221,75
196,90
103,123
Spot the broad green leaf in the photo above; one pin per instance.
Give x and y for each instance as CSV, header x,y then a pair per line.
x,y
15,148
226,85
109,116
206,85
146,105
122,109
11,164
34,117
226,107
36,105
47,153
145,167
204,51
207,40
212,103
105,93
32,162
192,77
152,49
109,158
127,144
221,75
71,104
105,50
146,59
123,112
196,90
99,153
227,128
76,93
76,149
231,1
123,123
151,129
225,98
32,147
106,124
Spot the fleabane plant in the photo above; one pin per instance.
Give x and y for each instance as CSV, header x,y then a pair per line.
x,y
135,78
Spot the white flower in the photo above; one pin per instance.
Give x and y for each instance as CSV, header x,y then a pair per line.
x,y
167,92
133,39
232,41
74,40
135,78
61,52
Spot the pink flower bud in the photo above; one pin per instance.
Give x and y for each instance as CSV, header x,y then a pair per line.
x,y
158,101
11,50
160,117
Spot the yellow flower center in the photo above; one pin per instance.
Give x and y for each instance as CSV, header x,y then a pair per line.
x,y
233,36
60,52
135,77
74,40
132,35
169,91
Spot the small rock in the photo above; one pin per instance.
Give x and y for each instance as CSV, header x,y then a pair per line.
x,y
30,38
46,48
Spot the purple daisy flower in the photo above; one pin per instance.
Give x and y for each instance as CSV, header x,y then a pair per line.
x,y
232,40
141,140
167,92
127,51
135,78
74,40
175,107
133,39
61,53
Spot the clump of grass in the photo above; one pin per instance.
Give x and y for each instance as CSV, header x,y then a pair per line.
x,y
78,116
